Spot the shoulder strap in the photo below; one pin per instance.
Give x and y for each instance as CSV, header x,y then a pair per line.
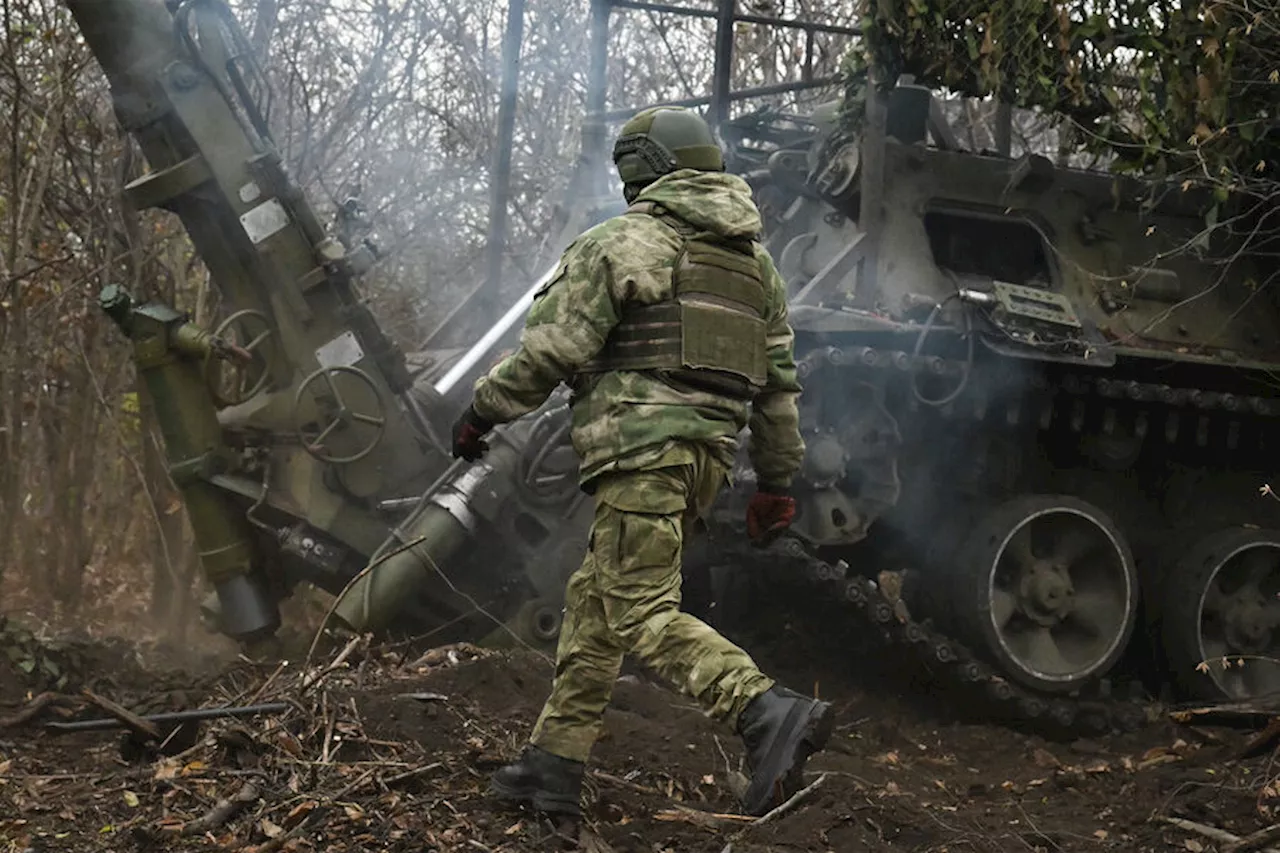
x,y
744,245
666,217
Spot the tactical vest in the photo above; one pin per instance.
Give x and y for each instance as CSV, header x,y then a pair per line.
x,y
711,333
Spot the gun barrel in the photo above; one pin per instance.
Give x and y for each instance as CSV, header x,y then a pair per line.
x,y
472,357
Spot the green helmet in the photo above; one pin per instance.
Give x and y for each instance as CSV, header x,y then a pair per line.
x,y
660,140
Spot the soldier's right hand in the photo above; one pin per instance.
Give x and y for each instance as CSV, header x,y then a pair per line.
x,y
468,436
769,513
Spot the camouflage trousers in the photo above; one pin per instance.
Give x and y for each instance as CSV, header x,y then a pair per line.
x,y
625,598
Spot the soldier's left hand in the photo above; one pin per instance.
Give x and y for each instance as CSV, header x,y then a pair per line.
x,y
468,435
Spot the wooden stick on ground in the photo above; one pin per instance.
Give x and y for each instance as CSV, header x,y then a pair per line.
x,y
314,818
609,778
410,774
697,817
222,812
137,724
794,801
33,709
1254,841
1230,839
310,680
1262,741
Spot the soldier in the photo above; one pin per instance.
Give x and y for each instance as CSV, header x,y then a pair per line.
x,y
669,323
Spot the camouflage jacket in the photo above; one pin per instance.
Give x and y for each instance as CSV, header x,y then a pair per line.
x,y
627,420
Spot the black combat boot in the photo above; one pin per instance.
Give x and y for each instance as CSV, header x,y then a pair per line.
x,y
550,783
780,729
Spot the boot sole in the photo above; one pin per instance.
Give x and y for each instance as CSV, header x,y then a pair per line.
x,y
790,756
539,800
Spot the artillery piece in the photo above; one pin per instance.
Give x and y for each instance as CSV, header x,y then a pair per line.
x,y
1010,388
304,447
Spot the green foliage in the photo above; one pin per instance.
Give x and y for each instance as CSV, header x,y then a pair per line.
x,y
42,663
1187,93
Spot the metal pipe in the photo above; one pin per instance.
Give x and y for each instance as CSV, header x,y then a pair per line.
x,y
500,180
764,20
1004,129
593,129
739,95
171,717
473,356
720,79
597,85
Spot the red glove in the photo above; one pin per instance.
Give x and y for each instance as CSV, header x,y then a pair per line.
x,y
468,433
769,513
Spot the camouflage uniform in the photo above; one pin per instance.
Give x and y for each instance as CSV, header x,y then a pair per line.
x,y
654,453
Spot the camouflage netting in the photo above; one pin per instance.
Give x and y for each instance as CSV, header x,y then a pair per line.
x,y
1186,91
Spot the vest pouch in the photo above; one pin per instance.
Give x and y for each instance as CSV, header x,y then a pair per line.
x,y
722,339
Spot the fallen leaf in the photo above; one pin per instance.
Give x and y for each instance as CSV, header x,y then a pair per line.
x,y
269,829
1193,845
514,828
1157,760
1045,758
131,799
300,811
289,743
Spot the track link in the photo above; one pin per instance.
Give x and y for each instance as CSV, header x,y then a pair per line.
x,y
882,610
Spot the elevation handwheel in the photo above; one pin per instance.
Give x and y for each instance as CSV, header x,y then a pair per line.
x,y
244,332
340,413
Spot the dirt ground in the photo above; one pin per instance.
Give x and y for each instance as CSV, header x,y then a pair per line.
x,y
391,750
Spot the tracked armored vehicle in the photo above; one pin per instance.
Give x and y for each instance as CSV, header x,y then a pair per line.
x,y
1018,388
1019,384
